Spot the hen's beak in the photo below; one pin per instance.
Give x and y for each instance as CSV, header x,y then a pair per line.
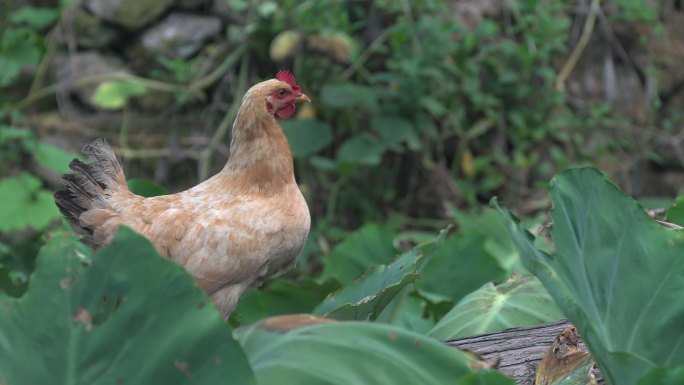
x,y
303,98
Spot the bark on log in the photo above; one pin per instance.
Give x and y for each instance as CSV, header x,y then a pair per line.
x,y
520,349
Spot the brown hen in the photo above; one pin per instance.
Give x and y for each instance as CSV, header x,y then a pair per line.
x,y
239,227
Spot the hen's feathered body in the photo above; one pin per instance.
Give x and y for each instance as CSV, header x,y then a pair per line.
x,y
240,226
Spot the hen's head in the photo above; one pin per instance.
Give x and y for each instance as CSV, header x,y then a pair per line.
x,y
278,95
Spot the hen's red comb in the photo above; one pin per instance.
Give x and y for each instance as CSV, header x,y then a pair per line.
x,y
287,77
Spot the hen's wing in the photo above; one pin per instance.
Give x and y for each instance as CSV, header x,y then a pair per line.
x,y
223,241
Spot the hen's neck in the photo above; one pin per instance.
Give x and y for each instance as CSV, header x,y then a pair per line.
x,y
260,157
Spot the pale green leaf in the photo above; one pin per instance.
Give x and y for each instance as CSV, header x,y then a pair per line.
x,y
113,95
520,301
25,203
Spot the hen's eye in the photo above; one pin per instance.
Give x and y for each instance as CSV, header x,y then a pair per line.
x,y
281,93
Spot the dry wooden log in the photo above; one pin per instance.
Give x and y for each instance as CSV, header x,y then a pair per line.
x,y
520,349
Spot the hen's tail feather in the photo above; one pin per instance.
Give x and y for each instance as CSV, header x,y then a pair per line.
x,y
89,184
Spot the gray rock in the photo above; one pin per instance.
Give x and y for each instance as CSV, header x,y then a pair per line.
x,y
180,34
91,32
70,68
131,14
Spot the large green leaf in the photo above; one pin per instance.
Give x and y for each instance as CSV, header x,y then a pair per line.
x,y
520,301
487,223
408,311
617,275
459,266
344,353
367,296
307,136
675,213
25,203
368,246
664,376
283,297
132,317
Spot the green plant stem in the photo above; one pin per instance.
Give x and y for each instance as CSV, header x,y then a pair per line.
x,y
45,62
123,132
217,73
226,123
365,55
334,191
194,87
579,48
94,79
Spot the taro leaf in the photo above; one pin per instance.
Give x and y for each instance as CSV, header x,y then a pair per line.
x,y
146,188
367,296
132,317
25,203
369,246
342,353
459,266
307,136
408,311
497,243
617,275
113,95
675,213
283,297
664,376
520,301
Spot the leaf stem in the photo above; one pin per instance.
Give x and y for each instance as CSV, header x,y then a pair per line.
x,y
579,47
226,123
